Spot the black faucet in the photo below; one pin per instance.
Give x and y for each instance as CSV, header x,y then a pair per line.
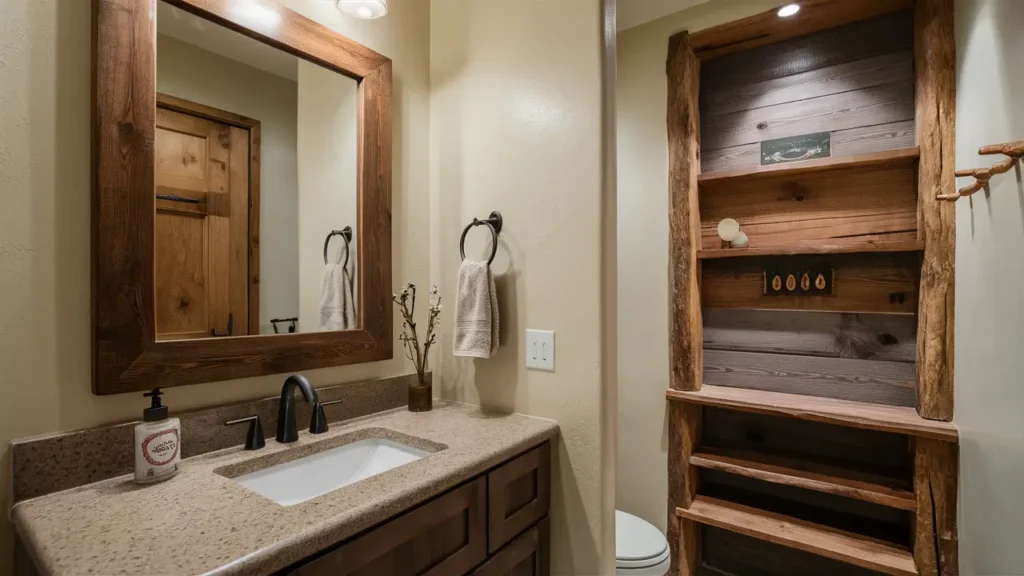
x,y
286,429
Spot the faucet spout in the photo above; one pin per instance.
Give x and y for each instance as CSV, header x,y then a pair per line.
x,y
286,428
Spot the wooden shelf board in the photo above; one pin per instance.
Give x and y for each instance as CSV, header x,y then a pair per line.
x,y
856,161
824,247
807,536
751,465
896,419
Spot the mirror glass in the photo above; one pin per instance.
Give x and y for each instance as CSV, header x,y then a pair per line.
x,y
256,156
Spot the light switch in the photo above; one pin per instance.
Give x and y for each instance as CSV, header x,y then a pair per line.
x,y
540,350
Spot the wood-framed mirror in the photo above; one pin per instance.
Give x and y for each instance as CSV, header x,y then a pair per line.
x,y
242,194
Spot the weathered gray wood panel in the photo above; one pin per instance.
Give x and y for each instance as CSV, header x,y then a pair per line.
x,y
893,102
890,136
826,334
862,39
891,383
845,77
727,553
866,455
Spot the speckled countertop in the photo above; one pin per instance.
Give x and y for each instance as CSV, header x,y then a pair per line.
x,y
203,522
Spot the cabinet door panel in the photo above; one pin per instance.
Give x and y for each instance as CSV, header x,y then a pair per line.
x,y
444,537
526,556
519,495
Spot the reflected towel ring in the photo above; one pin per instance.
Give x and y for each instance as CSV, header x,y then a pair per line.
x,y
494,224
346,234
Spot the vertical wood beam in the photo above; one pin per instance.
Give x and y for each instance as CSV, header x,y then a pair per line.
x,y
935,113
683,535
935,527
686,349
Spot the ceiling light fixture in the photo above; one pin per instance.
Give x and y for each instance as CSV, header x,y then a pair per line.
x,y
788,10
364,9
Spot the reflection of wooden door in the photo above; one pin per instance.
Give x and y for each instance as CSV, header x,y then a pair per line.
x,y
202,228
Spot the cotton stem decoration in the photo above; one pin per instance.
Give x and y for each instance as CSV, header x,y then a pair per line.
x,y
420,396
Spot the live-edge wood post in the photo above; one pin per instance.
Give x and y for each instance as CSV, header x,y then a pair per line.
x,y
686,348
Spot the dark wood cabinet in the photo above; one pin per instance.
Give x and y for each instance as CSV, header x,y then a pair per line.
x,y
518,495
527,555
502,512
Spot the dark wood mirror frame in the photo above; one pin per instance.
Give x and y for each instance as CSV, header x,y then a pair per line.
x,y
127,356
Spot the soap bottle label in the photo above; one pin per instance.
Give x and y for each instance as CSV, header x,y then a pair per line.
x,y
161,448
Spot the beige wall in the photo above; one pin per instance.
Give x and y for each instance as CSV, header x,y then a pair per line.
x,y
989,308
642,478
188,72
328,119
516,126
45,257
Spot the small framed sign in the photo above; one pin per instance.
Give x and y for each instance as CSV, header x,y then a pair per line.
x,y
796,148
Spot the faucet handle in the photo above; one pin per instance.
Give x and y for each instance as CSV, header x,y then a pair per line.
x,y
318,420
254,438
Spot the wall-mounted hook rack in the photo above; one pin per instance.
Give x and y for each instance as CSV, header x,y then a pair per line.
x,y
1015,151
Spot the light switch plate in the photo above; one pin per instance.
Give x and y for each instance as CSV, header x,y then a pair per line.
x,y
540,350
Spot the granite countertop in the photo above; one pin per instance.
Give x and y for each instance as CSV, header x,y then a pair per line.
x,y
201,522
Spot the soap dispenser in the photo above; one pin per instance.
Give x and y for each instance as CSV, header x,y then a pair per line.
x,y
157,443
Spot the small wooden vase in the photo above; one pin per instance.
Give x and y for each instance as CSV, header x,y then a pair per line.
x,y
421,397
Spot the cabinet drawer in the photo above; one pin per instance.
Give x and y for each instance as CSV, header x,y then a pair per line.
x,y
519,494
444,537
525,556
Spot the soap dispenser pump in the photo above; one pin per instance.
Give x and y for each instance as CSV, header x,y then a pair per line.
x,y
157,442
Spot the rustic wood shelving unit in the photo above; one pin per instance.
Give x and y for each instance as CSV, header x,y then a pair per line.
x,y
816,424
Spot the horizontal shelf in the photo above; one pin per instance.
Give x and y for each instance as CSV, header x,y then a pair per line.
x,y
778,471
824,247
896,419
807,536
869,160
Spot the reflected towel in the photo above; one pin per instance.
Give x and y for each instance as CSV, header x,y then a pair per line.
x,y
476,311
337,301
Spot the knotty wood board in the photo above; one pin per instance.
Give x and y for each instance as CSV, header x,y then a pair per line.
x,y
863,283
879,202
832,335
862,39
891,136
878,382
805,536
866,519
732,554
863,455
891,102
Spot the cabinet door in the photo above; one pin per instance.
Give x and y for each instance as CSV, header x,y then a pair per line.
x,y
526,556
444,537
519,494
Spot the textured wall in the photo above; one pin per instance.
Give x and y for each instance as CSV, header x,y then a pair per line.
x,y
989,312
516,126
641,479
45,334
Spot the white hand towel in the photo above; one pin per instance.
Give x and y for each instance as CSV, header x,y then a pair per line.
x,y
476,311
337,303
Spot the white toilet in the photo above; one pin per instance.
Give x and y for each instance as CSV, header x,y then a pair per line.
x,y
640,548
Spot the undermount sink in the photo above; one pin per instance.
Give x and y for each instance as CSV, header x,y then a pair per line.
x,y
306,478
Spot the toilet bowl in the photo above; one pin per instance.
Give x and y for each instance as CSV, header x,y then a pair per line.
x,y
640,548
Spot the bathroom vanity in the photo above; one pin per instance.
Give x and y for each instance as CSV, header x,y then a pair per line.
x,y
475,503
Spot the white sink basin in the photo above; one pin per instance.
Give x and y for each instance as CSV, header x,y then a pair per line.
x,y
317,474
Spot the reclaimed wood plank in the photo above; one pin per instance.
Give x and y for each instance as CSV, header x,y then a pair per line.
x,y
830,246
728,553
873,381
895,419
893,102
900,157
935,526
806,536
878,138
875,283
825,334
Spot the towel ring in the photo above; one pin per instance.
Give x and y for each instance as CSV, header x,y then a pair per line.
x,y
494,224
346,234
